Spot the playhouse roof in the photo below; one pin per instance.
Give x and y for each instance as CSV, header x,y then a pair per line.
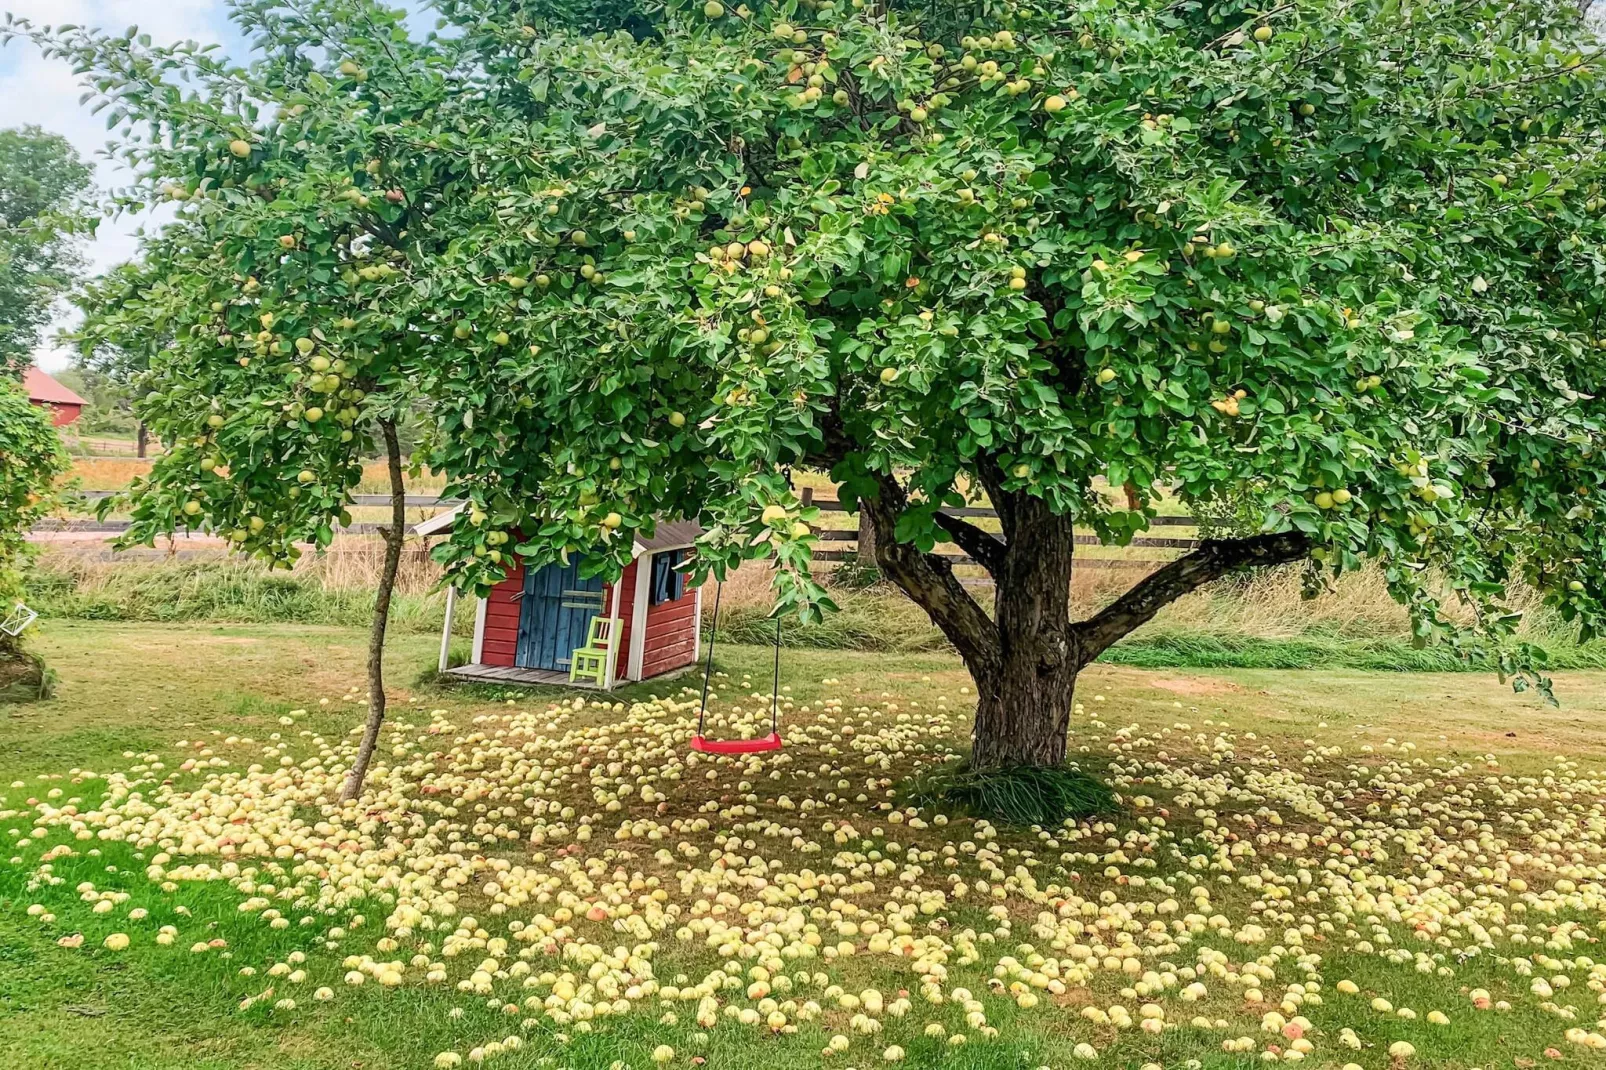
x,y
668,535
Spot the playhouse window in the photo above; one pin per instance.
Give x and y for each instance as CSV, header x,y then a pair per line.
x,y
668,583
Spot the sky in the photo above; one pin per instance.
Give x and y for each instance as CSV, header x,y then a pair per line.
x,y
45,92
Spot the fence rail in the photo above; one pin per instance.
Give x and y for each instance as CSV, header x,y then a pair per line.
x,y
420,501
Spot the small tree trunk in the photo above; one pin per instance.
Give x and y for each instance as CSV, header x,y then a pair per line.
x,y
393,536
141,440
1023,696
866,540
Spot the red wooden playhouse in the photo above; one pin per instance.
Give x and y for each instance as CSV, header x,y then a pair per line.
x,y
530,626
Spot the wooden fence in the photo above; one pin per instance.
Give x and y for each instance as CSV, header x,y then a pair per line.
x,y
856,535
830,534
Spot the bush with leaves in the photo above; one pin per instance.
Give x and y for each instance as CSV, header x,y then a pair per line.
x,y
1338,263
32,460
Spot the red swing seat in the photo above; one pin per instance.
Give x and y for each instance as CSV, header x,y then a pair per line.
x,y
737,746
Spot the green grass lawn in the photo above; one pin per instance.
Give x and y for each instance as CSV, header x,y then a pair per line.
x,y
1436,835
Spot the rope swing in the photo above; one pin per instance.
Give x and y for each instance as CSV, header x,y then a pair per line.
x,y
699,742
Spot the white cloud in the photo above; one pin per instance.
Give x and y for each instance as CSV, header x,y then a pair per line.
x,y
45,92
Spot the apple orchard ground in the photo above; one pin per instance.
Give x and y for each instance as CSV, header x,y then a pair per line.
x,y
1330,868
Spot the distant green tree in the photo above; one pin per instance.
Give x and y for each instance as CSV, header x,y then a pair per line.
x,y
116,350
41,182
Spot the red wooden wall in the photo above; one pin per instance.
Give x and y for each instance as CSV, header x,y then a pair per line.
x,y
502,619
671,635
627,609
62,414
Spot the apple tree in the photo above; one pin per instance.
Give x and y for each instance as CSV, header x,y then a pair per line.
x,y
1339,266
275,326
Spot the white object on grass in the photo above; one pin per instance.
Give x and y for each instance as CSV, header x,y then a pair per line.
x,y
17,620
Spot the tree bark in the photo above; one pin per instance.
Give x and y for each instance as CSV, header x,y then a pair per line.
x,y
141,439
1213,559
1025,657
393,536
866,540
930,582
1023,699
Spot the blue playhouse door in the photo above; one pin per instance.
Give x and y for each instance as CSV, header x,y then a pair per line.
x,y
555,616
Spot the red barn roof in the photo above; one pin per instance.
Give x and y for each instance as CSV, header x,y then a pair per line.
x,y
44,390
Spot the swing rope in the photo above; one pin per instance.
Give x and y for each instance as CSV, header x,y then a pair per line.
x,y
708,667
738,746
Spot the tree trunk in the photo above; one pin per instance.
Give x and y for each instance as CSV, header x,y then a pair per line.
x,y
1023,697
1023,716
1026,656
866,540
1024,659
393,536
141,440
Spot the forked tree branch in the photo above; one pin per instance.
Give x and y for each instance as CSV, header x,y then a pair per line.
x,y
929,580
1213,559
984,547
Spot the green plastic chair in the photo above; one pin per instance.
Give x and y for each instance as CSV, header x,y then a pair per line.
x,y
589,663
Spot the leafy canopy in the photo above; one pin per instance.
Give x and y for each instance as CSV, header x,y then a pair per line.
x,y
1339,263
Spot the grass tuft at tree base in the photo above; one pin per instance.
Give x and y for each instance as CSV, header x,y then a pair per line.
x,y
1016,795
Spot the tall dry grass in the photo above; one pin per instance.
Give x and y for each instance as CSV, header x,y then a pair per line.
x,y
1262,619
107,473
376,480
335,588
1258,618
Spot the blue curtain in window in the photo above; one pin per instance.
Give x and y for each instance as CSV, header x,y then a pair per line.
x,y
668,583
